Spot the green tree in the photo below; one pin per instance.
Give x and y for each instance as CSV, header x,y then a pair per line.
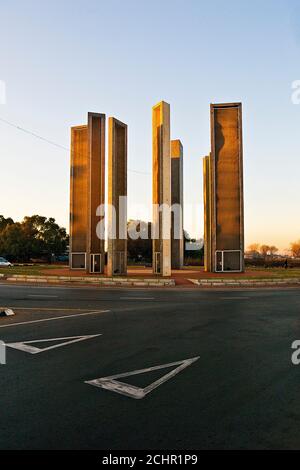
x,y
47,236
13,243
34,237
4,222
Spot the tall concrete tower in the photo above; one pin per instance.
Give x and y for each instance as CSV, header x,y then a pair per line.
x,y
117,198
177,238
161,162
223,191
87,193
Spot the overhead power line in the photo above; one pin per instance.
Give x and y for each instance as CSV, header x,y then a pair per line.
x,y
37,136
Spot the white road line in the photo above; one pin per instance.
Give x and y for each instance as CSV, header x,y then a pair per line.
x,y
54,318
234,298
137,298
49,309
25,345
110,383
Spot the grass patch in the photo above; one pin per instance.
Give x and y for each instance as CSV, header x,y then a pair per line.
x,y
36,270
253,272
274,272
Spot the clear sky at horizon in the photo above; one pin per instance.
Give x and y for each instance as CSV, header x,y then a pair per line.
x,y
61,59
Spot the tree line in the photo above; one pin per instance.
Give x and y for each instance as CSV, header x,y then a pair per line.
x,y
39,238
255,249
36,237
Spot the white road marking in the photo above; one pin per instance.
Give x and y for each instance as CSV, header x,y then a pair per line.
x,y
49,309
136,298
110,383
25,345
54,318
234,298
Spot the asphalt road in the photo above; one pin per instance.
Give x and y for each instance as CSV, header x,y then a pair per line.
x,y
242,393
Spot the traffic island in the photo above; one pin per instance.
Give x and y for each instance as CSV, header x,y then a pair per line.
x,y
246,282
100,281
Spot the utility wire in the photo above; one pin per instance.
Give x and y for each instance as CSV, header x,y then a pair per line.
x,y
33,134
37,136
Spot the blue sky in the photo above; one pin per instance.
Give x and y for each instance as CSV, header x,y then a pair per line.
x,y
61,59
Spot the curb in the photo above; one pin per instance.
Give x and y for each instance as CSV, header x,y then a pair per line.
x,y
245,282
107,281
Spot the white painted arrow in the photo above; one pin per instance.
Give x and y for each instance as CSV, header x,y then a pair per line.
x,y
25,345
110,383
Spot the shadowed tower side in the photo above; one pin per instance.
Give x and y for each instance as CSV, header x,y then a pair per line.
x,y
161,186
117,198
177,238
207,213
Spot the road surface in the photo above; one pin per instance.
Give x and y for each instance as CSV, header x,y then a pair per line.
x,y
241,389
